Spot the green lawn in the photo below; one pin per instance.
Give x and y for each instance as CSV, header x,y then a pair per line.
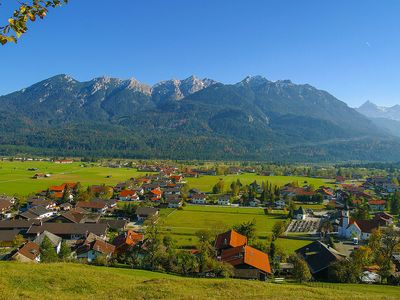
x,y
74,281
205,183
16,179
183,224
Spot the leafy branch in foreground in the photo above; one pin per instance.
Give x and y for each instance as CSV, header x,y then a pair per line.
x,y
28,11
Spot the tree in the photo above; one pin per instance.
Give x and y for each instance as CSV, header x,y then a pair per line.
x,y
47,251
395,204
301,272
65,251
219,187
187,263
18,240
247,229
278,229
345,271
326,227
28,11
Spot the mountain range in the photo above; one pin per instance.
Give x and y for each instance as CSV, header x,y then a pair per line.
x,y
387,118
254,119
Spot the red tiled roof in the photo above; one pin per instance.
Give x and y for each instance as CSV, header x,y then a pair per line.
x,y
377,202
247,255
126,193
230,239
30,250
156,192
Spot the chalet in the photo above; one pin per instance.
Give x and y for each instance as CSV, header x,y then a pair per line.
x,y
95,206
128,195
36,213
250,263
54,240
91,249
127,240
69,231
319,258
224,200
143,213
377,205
156,194
199,199
30,252
229,239
41,201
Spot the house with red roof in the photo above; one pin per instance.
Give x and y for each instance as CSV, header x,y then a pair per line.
x,y
249,263
127,240
128,195
377,205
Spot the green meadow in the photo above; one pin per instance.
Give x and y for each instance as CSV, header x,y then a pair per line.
x,y
74,281
206,183
15,179
182,225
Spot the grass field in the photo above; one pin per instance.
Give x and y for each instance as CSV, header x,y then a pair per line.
x,y
183,224
16,179
205,183
73,281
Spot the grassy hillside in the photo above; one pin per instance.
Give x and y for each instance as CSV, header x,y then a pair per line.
x,y
16,179
71,281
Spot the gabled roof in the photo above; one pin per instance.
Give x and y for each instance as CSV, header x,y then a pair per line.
x,y
54,239
103,247
8,235
69,228
130,238
146,211
319,256
30,250
230,239
126,193
96,204
247,255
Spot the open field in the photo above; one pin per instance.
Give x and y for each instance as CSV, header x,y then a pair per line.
x,y
74,281
205,183
16,179
183,224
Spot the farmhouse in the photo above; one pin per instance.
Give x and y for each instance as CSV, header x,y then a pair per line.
x,y
30,252
7,237
319,257
127,240
36,213
91,249
95,206
128,195
250,263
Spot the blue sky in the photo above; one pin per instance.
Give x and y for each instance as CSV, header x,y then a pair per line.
x,y
349,48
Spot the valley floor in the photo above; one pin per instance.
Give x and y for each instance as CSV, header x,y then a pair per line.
x,y
74,281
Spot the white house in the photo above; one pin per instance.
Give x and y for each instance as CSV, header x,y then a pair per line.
x,y
224,200
199,199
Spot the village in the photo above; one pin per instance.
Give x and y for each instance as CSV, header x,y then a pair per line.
x,y
348,229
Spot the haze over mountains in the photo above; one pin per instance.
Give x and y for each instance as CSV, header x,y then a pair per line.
x,y
387,118
254,119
